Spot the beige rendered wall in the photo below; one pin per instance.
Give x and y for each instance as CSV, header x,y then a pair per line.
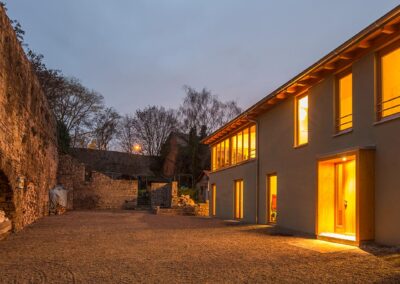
x,y
224,180
297,168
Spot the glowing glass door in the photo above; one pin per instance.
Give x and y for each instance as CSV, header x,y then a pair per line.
x,y
345,197
238,199
272,185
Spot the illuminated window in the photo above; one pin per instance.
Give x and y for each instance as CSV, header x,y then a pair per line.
x,y
239,147
218,155
222,153
389,95
272,187
238,199
301,136
253,141
344,104
246,144
214,199
234,150
214,158
227,155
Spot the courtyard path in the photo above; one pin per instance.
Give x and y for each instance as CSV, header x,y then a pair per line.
x,y
138,247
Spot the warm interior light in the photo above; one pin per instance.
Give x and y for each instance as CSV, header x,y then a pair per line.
x,y
345,118
390,72
238,199
214,199
273,191
337,198
302,121
235,149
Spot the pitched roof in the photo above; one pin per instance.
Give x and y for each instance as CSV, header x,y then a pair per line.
x,y
378,33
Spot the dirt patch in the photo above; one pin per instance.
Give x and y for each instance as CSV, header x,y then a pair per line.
x,y
126,247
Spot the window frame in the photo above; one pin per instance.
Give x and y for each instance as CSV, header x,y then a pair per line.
x,y
238,215
378,97
268,185
214,199
234,158
296,119
337,121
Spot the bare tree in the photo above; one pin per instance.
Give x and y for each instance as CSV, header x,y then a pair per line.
x,y
152,127
229,110
73,104
126,134
105,127
202,109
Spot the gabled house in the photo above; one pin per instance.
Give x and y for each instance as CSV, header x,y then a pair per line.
x,y
321,154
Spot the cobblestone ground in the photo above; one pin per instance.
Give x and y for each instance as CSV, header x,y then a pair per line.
x,y
138,247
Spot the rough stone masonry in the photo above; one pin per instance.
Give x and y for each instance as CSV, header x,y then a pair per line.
x,y
28,151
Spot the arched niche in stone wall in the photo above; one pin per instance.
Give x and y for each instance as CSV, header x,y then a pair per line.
x,y
6,197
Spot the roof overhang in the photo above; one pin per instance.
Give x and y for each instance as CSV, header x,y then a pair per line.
x,y
375,35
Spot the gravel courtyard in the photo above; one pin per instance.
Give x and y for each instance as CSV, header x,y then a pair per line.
x,y
138,247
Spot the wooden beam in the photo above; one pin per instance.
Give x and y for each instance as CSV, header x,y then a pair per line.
x,y
330,66
302,83
272,101
364,44
281,96
291,90
346,56
388,30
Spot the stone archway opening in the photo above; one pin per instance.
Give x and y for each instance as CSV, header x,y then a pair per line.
x,y
6,197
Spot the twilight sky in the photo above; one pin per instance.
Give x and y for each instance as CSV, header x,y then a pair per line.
x,y
141,52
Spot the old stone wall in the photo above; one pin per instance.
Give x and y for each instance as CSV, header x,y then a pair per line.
x,y
94,190
117,164
162,194
28,149
202,209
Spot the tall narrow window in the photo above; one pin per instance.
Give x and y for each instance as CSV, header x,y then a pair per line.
x,y
214,158
227,154
234,150
246,144
214,199
344,119
218,155
238,199
222,153
253,141
301,127
239,147
272,187
389,95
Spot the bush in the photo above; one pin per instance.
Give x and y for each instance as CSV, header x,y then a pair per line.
x,y
192,192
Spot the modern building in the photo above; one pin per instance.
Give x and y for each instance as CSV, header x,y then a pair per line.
x,y
321,154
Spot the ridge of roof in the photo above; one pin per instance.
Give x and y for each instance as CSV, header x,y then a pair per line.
x,y
358,45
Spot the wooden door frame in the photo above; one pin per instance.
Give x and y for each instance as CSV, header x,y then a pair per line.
x,y
235,200
269,199
365,200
